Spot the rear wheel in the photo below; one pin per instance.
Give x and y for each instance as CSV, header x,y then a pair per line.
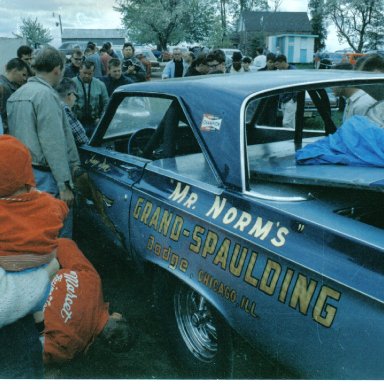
x,y
197,336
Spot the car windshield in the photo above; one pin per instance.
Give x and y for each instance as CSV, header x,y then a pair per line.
x,y
147,53
135,113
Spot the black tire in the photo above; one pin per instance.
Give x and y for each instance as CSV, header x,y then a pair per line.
x,y
195,334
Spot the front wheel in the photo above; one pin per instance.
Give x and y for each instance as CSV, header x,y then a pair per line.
x,y
197,336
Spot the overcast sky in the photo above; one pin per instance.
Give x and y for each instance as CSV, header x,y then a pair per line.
x,y
74,14
88,14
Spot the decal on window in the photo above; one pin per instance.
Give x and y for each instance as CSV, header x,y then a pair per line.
x,y
210,123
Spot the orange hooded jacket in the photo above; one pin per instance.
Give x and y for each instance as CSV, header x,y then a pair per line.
x,y
30,221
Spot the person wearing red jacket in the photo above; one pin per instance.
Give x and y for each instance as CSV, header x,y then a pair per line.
x,y
75,314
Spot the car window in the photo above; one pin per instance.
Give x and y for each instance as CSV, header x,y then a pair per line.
x,y
147,53
135,113
267,113
150,127
272,144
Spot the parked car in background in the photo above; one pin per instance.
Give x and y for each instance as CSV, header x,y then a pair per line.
x,y
333,104
182,49
200,188
330,59
150,58
68,46
230,51
351,57
377,51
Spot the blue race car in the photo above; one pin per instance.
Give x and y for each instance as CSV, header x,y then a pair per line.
x,y
197,180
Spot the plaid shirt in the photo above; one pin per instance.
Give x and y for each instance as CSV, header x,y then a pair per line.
x,y
77,128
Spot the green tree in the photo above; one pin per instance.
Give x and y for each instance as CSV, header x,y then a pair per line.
x,y
34,32
318,21
235,7
200,21
355,20
375,35
166,21
276,5
223,19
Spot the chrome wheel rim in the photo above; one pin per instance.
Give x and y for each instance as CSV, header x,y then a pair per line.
x,y
196,324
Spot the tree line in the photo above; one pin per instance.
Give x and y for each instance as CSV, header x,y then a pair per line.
x,y
358,23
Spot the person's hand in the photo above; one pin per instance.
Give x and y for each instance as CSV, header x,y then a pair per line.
x,y
131,69
67,196
83,185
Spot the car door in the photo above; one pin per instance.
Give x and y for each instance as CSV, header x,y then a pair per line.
x,y
113,169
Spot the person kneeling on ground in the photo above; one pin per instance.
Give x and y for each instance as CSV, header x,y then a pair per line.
x,y
76,316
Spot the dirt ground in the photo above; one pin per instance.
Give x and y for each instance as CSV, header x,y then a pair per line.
x,y
128,293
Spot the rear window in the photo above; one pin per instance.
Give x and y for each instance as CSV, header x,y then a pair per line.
x,y
278,125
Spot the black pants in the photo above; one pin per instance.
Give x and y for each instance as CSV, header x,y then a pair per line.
x,y
21,353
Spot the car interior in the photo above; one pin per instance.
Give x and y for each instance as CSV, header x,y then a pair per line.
x,y
151,128
271,151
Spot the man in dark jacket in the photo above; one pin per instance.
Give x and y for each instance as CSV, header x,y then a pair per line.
x,y
16,72
132,67
72,69
115,77
270,62
199,66
108,47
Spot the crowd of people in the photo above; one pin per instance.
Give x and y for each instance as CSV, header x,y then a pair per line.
x,y
48,108
211,62
216,62
52,306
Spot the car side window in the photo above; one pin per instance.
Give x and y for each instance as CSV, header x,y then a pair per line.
x,y
266,117
150,127
135,113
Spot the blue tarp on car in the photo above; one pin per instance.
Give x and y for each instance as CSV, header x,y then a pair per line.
x,y
357,142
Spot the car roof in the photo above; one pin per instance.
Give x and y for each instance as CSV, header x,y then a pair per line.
x,y
222,98
242,85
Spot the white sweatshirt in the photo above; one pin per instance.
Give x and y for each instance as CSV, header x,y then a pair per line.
x,y
21,293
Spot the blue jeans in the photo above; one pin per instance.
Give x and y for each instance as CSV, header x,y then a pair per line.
x,y
21,352
45,182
